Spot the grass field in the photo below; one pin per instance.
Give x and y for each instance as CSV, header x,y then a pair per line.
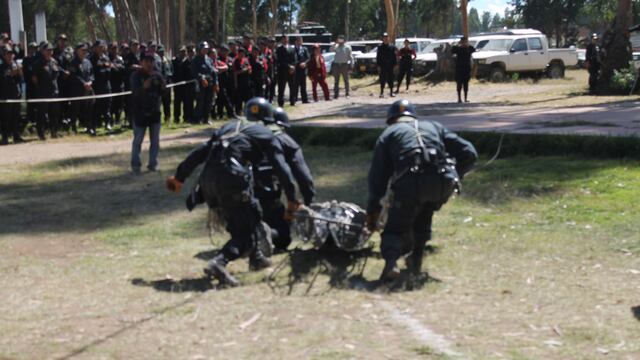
x,y
537,260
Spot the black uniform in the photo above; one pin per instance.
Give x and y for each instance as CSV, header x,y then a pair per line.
x,y
178,91
270,90
386,59
593,57
258,76
10,88
146,102
223,100
167,74
131,60
300,84
202,69
30,88
285,58
80,73
46,73
242,80
189,91
226,180
463,67
64,57
399,158
268,191
117,81
101,85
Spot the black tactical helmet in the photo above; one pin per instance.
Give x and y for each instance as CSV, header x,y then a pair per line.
x,y
259,109
203,45
280,117
401,108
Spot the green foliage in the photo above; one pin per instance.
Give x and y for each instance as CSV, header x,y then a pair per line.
x,y
623,79
474,21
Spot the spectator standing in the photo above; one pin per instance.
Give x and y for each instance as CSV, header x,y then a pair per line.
x,y
258,70
147,87
10,89
463,52
300,83
178,76
285,60
386,59
203,71
406,56
101,86
167,74
46,71
318,74
81,84
242,79
117,80
341,66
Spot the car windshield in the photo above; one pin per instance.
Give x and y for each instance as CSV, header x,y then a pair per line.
x,y
495,45
431,47
400,44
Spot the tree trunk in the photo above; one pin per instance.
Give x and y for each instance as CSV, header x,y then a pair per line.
x,y
182,16
396,21
347,19
91,29
274,18
216,20
223,30
254,19
388,6
465,22
616,45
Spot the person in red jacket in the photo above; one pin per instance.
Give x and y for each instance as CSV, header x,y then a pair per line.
x,y
318,74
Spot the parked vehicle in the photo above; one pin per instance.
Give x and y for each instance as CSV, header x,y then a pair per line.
x,y
330,56
522,51
427,60
366,63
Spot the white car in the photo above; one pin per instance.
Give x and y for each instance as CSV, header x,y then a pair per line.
x,y
524,51
427,60
330,56
366,63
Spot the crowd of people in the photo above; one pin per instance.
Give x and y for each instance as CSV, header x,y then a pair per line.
x,y
210,81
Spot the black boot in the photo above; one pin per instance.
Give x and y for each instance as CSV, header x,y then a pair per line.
x,y
260,256
216,268
390,272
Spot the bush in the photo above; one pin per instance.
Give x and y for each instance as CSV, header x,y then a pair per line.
x,y
623,79
487,142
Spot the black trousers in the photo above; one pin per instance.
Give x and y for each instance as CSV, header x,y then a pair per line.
x,y
386,78
223,101
117,106
243,94
9,121
270,88
189,98
81,113
408,226
48,114
178,103
257,88
166,104
102,113
405,71
204,102
283,79
594,73
273,214
300,86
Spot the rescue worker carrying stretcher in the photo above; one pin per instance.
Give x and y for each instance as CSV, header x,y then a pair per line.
x,y
268,189
416,167
226,184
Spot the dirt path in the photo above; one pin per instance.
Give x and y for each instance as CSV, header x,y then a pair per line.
x,y
37,151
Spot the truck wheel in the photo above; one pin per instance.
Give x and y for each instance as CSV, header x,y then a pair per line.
x,y
556,71
497,74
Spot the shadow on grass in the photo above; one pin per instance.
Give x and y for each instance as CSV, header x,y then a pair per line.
x,y
201,284
344,269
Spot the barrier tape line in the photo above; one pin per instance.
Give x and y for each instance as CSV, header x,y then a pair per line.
x,y
88,97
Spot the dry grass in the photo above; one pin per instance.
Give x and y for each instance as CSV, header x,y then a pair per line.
x,y
537,260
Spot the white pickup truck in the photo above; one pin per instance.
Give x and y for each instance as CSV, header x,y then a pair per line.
x,y
521,51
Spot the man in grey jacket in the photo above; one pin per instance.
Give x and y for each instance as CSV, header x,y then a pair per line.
x,y
341,66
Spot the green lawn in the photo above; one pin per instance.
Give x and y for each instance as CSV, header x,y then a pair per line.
x,y
538,259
